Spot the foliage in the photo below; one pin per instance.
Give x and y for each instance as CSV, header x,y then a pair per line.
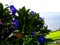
x,y
27,22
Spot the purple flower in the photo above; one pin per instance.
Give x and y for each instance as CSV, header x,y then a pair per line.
x,y
1,22
41,39
40,18
33,32
15,23
32,13
13,9
46,26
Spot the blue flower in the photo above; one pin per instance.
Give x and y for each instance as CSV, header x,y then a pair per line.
x,y
32,13
13,9
33,32
41,18
46,26
41,39
16,24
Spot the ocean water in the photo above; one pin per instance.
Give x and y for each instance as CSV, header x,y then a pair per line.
x,y
52,19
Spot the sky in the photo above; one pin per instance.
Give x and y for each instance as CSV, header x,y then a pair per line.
x,y
49,9
52,19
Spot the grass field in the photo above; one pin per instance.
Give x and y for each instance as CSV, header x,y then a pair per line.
x,y
55,44
54,35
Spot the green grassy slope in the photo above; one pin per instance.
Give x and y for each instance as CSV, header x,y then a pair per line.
x,y
54,35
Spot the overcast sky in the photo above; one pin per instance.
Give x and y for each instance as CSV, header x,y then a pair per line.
x,y
49,9
36,5
52,19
